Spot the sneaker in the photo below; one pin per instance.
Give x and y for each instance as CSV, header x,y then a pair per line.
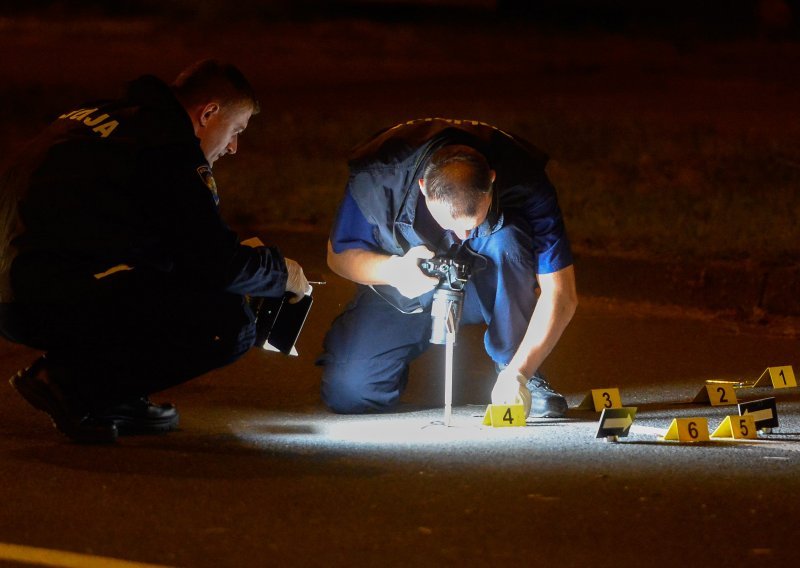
x,y
545,402
36,385
140,416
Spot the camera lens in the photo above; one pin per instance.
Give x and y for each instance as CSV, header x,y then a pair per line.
x,y
447,306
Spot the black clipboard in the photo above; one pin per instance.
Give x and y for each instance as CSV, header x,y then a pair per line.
x,y
279,322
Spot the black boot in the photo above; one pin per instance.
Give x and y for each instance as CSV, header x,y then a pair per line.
x,y
38,386
545,402
140,416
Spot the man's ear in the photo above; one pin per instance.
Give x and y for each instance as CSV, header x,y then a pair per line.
x,y
421,182
493,175
206,112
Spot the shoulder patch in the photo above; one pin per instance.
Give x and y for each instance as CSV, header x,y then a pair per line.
x,y
208,178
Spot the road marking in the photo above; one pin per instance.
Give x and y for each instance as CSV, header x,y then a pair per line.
x,y
64,559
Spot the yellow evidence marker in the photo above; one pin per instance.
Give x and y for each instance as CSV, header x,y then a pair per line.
x,y
688,430
718,394
600,399
737,427
503,415
781,377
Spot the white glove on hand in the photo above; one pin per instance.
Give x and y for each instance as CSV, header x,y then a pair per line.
x,y
296,283
403,272
510,389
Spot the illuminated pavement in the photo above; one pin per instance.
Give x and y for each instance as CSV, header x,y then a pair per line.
x,y
260,474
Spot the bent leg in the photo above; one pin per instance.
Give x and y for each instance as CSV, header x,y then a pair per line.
x,y
367,352
503,295
136,336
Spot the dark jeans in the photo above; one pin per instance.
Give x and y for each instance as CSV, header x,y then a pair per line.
x,y
136,334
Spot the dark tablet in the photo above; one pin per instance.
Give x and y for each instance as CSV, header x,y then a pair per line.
x,y
279,322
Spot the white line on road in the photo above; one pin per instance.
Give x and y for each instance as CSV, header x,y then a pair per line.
x,y
64,559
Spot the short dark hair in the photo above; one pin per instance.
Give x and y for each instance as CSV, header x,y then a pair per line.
x,y
210,79
460,176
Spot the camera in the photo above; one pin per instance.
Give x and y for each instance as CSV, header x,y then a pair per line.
x,y
448,297
452,275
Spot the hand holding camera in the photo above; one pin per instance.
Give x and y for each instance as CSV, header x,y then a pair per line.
x,y
404,273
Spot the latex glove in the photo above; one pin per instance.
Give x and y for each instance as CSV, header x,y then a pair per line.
x,y
296,283
404,273
510,389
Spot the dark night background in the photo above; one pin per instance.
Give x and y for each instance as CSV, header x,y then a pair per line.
x,y
703,20
671,126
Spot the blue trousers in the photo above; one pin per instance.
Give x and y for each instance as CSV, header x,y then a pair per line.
x,y
369,347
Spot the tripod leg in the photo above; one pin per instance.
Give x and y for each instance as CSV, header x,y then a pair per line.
x,y
448,379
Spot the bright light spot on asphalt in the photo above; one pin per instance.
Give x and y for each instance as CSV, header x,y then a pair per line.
x,y
414,429
405,431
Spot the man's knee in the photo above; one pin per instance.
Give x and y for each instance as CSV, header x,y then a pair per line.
x,y
346,400
232,348
360,388
217,339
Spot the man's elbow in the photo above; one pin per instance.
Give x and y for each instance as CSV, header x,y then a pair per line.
x,y
565,294
569,296
334,260
570,303
331,259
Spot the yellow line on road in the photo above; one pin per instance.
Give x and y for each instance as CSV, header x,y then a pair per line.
x,y
64,559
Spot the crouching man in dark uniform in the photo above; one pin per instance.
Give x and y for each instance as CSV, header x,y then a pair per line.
x,y
116,261
458,189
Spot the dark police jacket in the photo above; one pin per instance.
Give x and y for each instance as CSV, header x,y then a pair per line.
x,y
385,169
124,185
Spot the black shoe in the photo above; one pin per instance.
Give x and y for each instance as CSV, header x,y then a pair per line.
x,y
140,416
36,385
545,402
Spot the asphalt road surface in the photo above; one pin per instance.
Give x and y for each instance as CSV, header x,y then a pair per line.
x,y
261,474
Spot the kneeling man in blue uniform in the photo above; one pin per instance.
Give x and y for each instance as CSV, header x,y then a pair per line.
x,y
462,190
